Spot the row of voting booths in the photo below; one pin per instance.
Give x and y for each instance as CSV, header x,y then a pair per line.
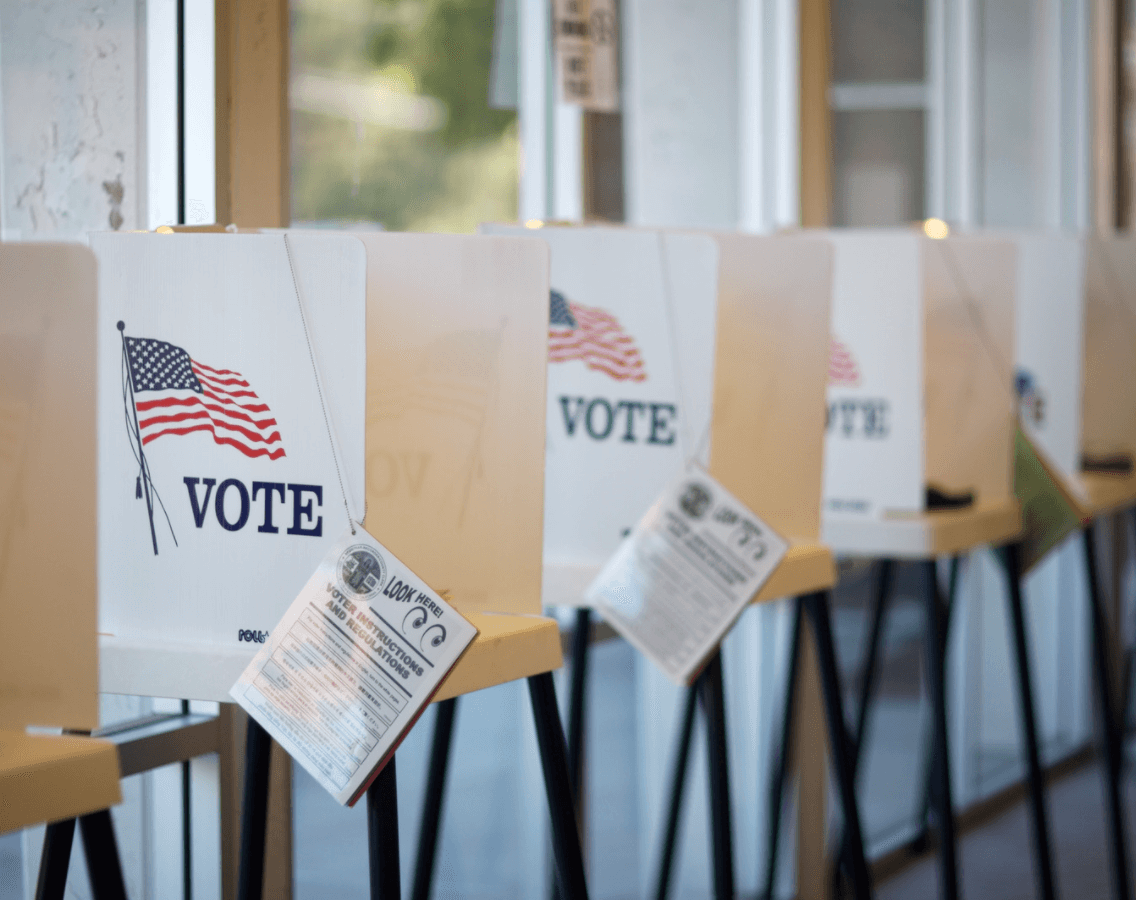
x,y
191,420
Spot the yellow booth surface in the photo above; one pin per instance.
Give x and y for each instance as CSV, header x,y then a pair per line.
x,y
44,778
1100,494
911,535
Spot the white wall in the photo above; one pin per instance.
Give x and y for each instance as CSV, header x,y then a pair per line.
x,y
70,102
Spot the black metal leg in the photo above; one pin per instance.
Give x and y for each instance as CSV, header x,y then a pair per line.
x,y
674,807
936,689
577,702
382,834
1042,856
99,847
781,755
565,833
1129,662
55,860
435,795
1111,735
712,694
929,741
871,659
1126,689
581,642
186,823
817,608
254,813
878,615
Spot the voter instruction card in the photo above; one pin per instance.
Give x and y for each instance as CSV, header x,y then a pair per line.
x,y
680,580
347,671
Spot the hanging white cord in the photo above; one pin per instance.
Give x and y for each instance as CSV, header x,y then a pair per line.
x,y
319,386
691,452
978,323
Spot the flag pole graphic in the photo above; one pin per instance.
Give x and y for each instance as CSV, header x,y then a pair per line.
x,y
144,469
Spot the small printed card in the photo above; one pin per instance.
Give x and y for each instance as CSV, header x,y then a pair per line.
x,y
680,580
351,666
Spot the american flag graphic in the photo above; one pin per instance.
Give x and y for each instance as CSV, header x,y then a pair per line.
x,y
175,394
842,368
594,337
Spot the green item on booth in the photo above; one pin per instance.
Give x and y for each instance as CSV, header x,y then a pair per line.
x,y
1049,513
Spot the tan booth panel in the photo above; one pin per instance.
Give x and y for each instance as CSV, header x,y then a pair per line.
x,y
457,336
767,440
1109,401
969,288
48,585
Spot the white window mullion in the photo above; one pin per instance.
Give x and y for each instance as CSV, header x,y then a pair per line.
x,y
568,163
954,110
200,114
786,132
533,111
752,161
935,146
1048,140
968,111
768,116
1076,114
160,113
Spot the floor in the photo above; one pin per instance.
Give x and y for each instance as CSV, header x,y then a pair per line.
x,y
996,861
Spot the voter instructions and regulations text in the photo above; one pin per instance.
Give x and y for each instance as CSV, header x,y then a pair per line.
x,y
676,585
351,665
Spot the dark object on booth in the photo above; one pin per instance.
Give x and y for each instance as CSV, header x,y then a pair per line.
x,y
937,498
1107,463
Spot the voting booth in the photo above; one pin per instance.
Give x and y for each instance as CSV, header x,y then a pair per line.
x,y
48,561
667,347
920,454
455,368
1107,485
1077,360
920,397
1074,354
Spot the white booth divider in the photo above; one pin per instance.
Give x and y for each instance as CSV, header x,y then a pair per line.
x,y
218,488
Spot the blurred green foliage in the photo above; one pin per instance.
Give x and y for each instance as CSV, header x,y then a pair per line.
x,y
451,178
450,54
